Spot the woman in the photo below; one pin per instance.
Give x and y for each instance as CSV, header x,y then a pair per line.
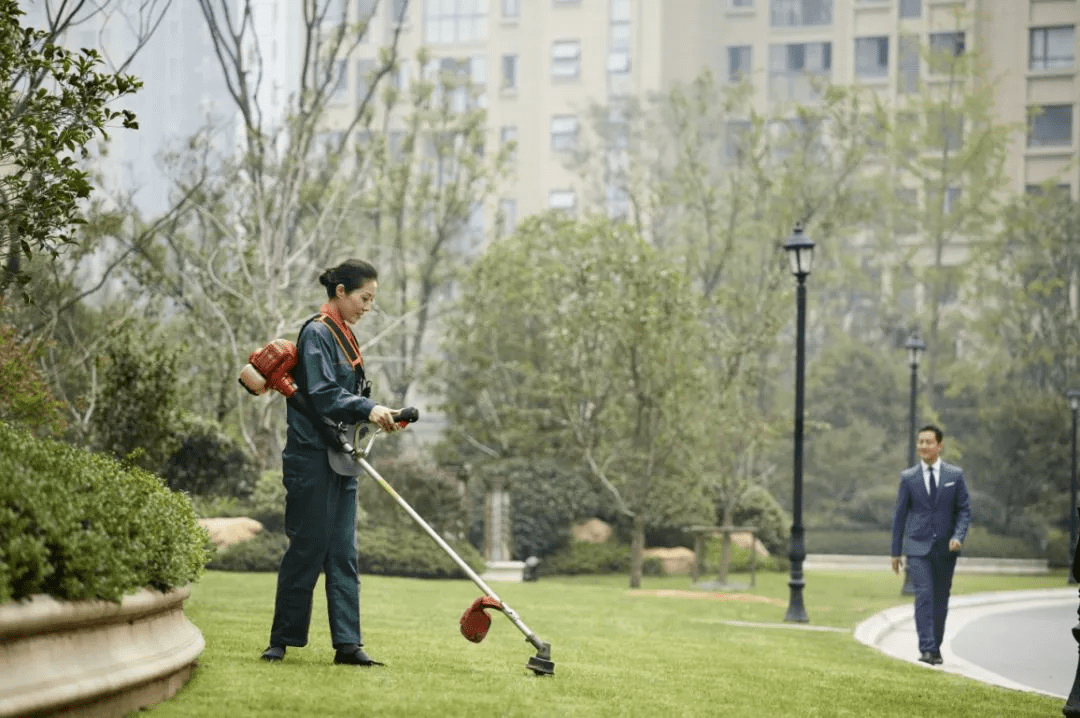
x,y
320,504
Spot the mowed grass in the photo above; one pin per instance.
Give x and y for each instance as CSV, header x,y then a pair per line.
x,y
617,653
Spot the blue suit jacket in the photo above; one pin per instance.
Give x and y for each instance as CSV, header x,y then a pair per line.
x,y
917,524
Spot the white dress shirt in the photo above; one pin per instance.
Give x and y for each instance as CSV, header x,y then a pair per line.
x,y
926,474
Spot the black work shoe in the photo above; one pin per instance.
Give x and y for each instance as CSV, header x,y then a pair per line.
x,y
936,659
273,654
353,656
927,657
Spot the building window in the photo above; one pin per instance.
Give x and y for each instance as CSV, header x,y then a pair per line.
x,y
365,73
947,125
907,63
947,43
564,133
507,135
341,81
455,21
737,137
565,59
508,214
910,8
906,222
620,10
619,48
871,56
791,68
564,199
509,72
398,9
510,9
740,4
800,13
1051,126
1059,191
461,79
740,60
1052,48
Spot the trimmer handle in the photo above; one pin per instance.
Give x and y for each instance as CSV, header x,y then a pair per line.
x,y
407,415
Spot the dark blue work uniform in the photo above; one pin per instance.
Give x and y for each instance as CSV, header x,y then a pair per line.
x,y
320,505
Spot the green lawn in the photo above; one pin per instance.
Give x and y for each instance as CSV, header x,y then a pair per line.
x,y
616,653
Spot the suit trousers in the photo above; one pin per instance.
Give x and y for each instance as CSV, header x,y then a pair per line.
x,y
320,521
931,576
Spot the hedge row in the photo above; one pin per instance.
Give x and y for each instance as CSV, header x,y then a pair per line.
x,y
78,525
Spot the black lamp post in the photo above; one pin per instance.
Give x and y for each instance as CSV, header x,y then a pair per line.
x,y
915,346
800,250
1074,404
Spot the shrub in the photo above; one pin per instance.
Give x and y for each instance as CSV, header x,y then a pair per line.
x,y
262,553
78,525
579,557
25,398
431,492
208,462
739,558
546,498
759,508
1058,554
409,551
980,543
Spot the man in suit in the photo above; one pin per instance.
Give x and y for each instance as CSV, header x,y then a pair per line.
x,y
929,526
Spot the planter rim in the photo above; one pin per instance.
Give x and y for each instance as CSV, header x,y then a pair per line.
x,y
42,613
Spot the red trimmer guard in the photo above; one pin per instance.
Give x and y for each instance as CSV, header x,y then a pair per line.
x,y
474,622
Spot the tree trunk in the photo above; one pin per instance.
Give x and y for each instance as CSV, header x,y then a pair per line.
x,y
725,556
637,551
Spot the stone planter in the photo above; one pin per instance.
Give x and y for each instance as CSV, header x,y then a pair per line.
x,y
95,658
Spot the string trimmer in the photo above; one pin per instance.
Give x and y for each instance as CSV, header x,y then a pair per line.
x,y
475,621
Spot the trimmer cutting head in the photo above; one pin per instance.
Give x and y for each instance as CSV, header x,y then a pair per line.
x,y
541,664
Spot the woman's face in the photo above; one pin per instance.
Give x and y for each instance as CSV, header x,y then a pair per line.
x,y
356,303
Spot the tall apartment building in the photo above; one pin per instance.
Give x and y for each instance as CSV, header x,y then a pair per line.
x,y
541,63
1030,46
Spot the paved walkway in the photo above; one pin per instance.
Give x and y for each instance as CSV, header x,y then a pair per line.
x,y
1015,639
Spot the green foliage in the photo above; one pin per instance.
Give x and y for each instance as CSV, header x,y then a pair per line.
x,y
739,558
78,525
979,543
208,461
577,339
758,508
547,497
137,402
580,557
262,553
1058,551
409,551
25,397
53,103
432,492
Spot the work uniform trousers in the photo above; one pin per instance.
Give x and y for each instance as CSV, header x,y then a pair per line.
x,y
320,521
931,577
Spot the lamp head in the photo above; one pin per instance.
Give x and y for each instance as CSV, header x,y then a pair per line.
x,y
800,249
1074,399
915,346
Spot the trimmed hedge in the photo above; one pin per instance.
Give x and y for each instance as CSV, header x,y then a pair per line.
x,y
78,525
979,544
407,550
580,557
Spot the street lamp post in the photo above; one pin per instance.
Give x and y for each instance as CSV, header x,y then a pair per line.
x,y
915,346
1074,405
800,251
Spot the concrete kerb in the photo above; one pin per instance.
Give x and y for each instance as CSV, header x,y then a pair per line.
x,y
892,631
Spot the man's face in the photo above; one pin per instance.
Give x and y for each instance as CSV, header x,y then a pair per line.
x,y
928,446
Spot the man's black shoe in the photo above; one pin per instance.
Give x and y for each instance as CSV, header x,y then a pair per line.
x,y
353,655
936,659
927,657
273,654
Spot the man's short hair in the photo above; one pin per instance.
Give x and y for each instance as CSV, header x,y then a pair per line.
x,y
938,433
